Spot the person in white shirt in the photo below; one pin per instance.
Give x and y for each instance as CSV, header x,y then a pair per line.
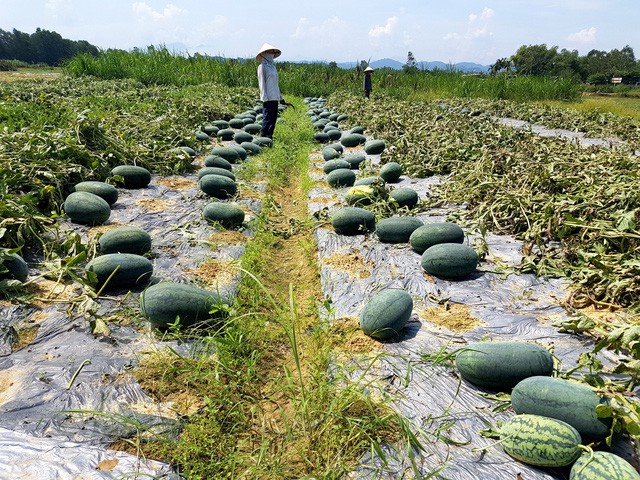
x,y
269,90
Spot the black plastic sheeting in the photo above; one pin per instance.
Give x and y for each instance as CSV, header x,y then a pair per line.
x,y
447,413
61,428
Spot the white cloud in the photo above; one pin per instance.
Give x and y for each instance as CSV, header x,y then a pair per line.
x,y
586,35
169,13
478,27
56,4
385,30
326,29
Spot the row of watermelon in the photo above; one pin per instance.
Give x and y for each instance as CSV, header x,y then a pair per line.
x,y
554,415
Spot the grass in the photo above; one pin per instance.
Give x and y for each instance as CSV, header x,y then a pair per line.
x,y
622,106
267,407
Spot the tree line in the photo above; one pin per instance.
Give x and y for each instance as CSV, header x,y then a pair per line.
x,y
42,46
596,67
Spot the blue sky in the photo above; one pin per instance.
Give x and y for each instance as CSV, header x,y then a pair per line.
x,y
449,31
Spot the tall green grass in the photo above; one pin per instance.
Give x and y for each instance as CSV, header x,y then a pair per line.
x,y
161,67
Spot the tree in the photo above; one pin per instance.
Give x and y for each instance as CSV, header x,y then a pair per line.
x,y
501,65
534,59
411,66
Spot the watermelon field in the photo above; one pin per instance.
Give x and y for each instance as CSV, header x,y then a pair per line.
x,y
390,288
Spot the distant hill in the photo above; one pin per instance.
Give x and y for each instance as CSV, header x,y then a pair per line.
x,y
467,67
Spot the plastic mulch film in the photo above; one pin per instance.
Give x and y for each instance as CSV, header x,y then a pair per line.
x,y
447,414
67,394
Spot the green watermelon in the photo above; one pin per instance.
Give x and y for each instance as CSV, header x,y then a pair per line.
x,y
107,192
572,402
263,141
251,148
391,172
121,270
253,128
368,181
242,153
404,197
220,124
357,129
397,229
354,160
360,195
332,165
540,441
133,176
217,161
127,239
202,136
353,221
226,134
374,147
229,215
215,171
86,208
341,177
231,155
242,136
602,466
321,137
352,139
218,186
236,123
435,233
165,303
385,314
502,365
17,268
449,260
329,153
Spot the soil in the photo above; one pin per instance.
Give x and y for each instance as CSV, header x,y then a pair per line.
x,y
454,317
176,183
353,263
155,204
217,273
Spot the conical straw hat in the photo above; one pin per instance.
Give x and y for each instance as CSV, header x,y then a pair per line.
x,y
266,48
368,69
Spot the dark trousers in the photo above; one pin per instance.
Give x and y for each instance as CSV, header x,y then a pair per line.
x,y
269,118
367,93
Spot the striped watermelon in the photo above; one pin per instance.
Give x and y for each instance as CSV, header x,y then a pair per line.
x,y
540,441
602,466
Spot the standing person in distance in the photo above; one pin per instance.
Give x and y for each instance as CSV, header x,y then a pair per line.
x,y
269,89
367,81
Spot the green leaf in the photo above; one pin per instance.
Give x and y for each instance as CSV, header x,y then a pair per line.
x,y
604,411
627,222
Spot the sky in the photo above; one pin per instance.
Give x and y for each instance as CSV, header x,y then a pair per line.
x,y
329,30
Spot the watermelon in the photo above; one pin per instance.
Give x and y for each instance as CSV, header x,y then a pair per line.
x,y
353,221
165,303
215,171
229,215
210,129
252,128
125,269
107,192
385,314
602,466
352,139
17,268
86,208
236,123
374,147
502,365
329,153
202,136
337,147
182,150
341,177
355,160
321,137
540,441
242,136
251,148
263,141
218,186
342,117
242,153
434,233
357,129
332,165
133,176
226,134
390,172
368,181
449,260
127,239
573,403
220,124
217,161
397,229
231,155
404,197
334,134
360,195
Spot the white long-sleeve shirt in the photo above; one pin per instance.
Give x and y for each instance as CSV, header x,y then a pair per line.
x,y
268,82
